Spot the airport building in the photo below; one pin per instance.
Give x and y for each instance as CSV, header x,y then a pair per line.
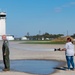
x,y
3,26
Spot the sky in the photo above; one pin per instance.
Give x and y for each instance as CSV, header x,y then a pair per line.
x,y
34,16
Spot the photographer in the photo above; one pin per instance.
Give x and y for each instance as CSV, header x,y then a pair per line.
x,y
69,52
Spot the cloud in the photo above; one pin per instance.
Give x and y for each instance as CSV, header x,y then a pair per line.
x,y
72,3
58,9
67,5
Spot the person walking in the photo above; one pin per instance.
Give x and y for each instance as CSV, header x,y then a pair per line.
x,y
5,50
69,52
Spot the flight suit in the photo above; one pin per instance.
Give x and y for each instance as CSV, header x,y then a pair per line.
x,y
5,50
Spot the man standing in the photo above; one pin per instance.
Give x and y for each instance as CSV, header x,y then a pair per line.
x,y
5,50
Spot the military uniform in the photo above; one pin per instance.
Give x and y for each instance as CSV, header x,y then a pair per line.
x,y
5,50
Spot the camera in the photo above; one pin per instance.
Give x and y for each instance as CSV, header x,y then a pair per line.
x,y
57,49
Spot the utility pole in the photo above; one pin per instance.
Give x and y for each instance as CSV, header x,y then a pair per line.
x,y
67,32
39,32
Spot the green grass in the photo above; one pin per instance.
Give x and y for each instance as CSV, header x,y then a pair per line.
x,y
42,42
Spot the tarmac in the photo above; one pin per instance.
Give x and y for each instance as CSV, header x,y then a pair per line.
x,y
29,51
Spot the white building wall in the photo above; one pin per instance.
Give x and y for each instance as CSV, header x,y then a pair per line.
x,y
10,37
2,23
2,26
24,38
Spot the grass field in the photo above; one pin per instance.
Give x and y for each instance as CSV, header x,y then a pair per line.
x,y
42,42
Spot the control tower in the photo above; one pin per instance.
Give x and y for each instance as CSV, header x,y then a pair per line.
x,y
2,23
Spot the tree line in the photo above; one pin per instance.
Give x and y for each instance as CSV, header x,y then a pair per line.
x,y
45,36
